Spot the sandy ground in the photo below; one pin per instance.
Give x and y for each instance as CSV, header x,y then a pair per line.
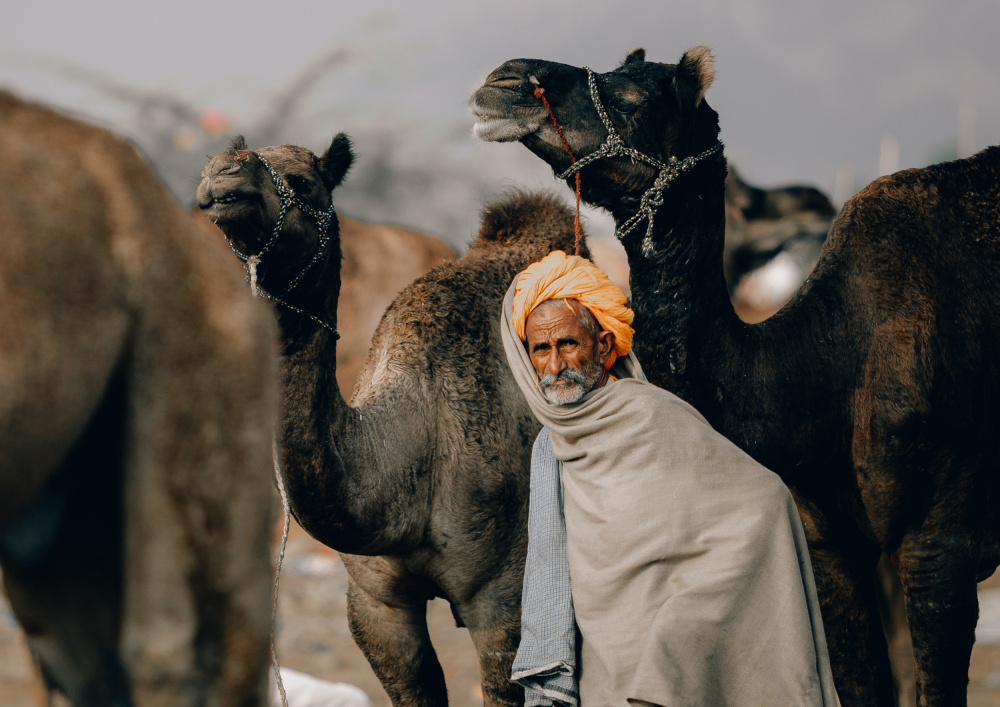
x,y
313,637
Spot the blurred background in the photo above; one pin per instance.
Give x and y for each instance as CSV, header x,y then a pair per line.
x,y
828,94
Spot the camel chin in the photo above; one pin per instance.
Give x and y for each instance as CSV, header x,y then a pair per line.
x,y
489,129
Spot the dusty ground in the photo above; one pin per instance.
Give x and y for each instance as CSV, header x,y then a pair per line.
x,y
313,637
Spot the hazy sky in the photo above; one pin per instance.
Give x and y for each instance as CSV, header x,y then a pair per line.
x,y
802,88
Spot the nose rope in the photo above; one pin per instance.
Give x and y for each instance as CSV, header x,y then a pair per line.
x,y
577,231
614,146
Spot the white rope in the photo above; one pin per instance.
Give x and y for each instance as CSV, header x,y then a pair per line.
x,y
286,514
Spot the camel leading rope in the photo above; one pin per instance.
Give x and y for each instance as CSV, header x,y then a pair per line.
x,y
286,518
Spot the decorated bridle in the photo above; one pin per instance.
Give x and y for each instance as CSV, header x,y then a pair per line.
x,y
614,146
287,199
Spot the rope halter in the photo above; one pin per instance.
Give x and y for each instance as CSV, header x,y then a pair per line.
x,y
614,146
287,199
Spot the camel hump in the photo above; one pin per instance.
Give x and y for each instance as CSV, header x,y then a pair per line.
x,y
526,217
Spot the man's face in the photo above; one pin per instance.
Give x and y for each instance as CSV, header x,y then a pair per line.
x,y
567,349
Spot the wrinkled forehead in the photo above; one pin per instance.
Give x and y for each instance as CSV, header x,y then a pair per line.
x,y
558,316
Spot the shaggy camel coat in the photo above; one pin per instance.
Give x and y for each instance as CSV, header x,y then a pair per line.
x,y
691,580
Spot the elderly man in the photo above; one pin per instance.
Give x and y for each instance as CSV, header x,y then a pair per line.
x,y
691,582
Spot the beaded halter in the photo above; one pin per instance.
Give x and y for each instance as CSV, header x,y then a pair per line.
x,y
287,199
614,146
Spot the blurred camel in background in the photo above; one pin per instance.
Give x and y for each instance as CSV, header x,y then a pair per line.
x,y
136,410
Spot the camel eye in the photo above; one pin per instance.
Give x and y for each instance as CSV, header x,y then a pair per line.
x,y
298,184
628,103
626,109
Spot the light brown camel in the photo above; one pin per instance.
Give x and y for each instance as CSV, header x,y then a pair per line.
x,y
135,425
379,260
872,393
421,482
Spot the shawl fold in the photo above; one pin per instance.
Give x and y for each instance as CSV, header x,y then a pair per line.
x,y
688,574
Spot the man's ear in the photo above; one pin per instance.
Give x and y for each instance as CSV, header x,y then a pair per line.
x,y
605,345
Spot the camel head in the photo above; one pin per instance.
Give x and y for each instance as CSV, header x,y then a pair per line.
x,y
245,200
657,109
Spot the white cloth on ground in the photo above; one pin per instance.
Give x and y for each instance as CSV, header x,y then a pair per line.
x,y
304,690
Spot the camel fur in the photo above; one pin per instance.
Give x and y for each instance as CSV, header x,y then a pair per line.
x,y
135,420
872,392
421,482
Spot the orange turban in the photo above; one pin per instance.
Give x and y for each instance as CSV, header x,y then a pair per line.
x,y
561,276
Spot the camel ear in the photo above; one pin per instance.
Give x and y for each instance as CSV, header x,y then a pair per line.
x,y
336,160
636,56
238,143
695,72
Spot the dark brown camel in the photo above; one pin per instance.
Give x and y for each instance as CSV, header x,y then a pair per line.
x,y
135,417
873,392
773,240
422,480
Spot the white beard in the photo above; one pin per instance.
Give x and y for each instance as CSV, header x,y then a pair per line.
x,y
576,385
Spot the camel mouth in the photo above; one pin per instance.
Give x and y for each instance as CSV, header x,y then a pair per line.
x,y
227,201
235,196
498,120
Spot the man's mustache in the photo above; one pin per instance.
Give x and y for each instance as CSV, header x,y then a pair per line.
x,y
568,375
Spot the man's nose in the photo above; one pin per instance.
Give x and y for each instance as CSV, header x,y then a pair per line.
x,y
555,365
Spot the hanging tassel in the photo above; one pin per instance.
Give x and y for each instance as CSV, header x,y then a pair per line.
x,y
252,263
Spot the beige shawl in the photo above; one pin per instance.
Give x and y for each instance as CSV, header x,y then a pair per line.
x,y
691,579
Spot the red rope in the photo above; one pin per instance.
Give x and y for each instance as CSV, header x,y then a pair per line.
x,y
540,94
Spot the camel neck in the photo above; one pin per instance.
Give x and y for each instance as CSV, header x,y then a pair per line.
x,y
307,314
333,454
679,296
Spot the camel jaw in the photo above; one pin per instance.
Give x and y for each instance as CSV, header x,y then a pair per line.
x,y
502,129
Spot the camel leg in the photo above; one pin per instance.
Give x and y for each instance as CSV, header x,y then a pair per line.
x,y
497,646
198,519
69,609
62,570
396,643
937,567
893,611
844,564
